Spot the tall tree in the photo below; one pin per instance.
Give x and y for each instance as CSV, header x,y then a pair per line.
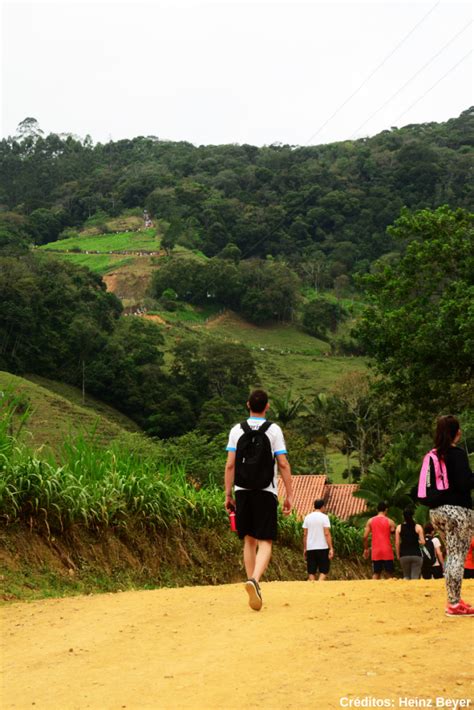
x,y
419,325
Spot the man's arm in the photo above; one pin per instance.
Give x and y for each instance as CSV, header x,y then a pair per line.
x,y
327,535
397,541
229,480
305,540
366,540
393,526
285,471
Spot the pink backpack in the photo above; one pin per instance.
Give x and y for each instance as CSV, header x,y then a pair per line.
x,y
433,479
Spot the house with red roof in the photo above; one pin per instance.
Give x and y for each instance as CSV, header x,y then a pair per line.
x,y
339,497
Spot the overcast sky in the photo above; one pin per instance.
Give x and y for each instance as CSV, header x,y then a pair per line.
x,y
246,71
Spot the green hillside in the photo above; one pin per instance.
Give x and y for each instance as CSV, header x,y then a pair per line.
x,y
144,240
56,411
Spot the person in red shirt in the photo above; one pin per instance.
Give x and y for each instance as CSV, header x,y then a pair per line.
x,y
380,527
469,562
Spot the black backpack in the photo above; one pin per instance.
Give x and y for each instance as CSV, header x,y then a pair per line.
x,y
428,554
254,460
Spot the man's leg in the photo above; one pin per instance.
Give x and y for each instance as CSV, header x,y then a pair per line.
x,y
264,553
258,553
250,553
322,577
377,569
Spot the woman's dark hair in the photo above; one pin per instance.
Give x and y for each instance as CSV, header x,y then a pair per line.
x,y
428,528
408,516
446,429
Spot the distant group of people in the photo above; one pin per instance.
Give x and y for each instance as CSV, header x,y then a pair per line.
x,y
256,453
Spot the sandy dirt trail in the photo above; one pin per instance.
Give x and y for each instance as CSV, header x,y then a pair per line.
x,y
318,646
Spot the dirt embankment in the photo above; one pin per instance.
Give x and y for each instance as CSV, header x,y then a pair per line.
x,y
312,646
34,564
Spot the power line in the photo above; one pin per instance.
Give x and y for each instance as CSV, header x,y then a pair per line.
x,y
379,66
435,84
435,56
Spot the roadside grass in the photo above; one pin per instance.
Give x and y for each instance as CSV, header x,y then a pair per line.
x,y
144,240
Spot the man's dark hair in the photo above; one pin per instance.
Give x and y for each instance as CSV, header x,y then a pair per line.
x,y
258,400
319,503
382,506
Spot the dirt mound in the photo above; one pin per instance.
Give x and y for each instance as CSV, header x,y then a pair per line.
x,y
329,645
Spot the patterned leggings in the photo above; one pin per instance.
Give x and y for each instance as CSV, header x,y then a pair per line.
x,y
456,524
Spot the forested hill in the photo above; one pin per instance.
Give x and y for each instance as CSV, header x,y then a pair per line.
x,y
332,202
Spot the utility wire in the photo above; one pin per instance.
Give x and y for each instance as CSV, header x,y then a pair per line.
x,y
291,212
435,84
379,66
435,56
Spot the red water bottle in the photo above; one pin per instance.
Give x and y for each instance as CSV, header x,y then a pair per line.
x,y
233,526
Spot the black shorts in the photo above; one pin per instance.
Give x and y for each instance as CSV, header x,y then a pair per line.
x,y
256,514
432,573
380,565
318,559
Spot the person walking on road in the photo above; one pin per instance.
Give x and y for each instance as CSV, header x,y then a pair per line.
x,y
433,560
317,542
408,540
256,453
452,513
380,527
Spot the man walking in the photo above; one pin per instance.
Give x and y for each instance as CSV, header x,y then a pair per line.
x,y
380,527
317,542
256,452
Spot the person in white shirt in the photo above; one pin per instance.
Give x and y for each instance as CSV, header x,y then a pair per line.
x,y
251,488
317,542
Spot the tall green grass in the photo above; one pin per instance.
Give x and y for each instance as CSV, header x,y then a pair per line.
x,y
114,487
87,484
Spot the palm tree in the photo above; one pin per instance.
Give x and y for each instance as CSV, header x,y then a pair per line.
x,y
286,408
393,485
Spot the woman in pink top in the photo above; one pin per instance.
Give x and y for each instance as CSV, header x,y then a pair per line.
x,y
380,527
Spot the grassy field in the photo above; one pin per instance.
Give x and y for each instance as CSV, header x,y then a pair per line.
x,y
144,240
57,411
98,263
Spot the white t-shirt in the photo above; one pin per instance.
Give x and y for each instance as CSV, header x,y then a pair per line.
x,y
315,523
436,545
277,442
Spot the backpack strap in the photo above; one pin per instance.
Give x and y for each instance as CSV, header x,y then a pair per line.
x,y
244,425
440,471
423,475
265,426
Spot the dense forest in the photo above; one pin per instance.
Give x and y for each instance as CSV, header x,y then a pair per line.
x,y
284,231
324,208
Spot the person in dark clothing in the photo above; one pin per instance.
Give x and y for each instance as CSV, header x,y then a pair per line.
x,y
432,568
408,538
453,515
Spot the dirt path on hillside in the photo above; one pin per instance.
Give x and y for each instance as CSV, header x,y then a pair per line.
x,y
317,646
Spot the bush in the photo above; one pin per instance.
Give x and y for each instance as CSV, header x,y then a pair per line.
x,y
321,315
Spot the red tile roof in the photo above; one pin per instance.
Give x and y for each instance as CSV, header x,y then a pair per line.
x,y
341,502
338,496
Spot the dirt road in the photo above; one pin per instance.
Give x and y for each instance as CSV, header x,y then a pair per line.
x,y
318,646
